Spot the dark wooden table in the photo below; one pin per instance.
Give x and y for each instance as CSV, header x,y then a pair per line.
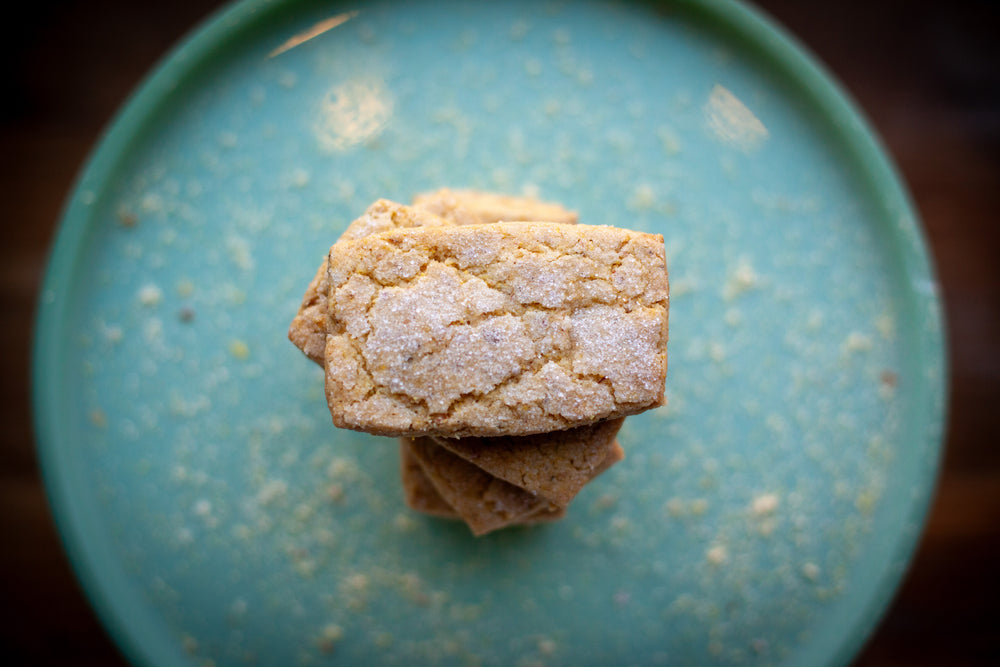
x,y
926,73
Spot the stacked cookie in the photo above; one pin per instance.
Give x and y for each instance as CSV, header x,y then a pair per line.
x,y
505,355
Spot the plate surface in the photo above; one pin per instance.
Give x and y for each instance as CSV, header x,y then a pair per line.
x,y
212,512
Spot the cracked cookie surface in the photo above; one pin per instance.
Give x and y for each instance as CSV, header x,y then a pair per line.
x,y
511,328
308,328
442,207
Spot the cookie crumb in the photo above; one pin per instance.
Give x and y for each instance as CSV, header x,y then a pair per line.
x,y
764,504
887,384
127,218
743,279
335,492
404,523
856,342
189,644
272,491
239,350
98,418
299,178
150,295
329,636
717,555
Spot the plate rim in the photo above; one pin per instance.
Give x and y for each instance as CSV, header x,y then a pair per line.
x,y
143,643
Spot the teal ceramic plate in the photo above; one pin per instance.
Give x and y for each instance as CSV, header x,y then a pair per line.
x,y
215,516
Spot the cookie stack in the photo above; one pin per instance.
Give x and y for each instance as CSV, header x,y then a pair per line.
x,y
505,353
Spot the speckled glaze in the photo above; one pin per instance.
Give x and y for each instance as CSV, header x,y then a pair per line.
x,y
215,515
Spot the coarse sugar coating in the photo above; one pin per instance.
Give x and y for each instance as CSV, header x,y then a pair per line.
x,y
552,465
308,328
385,215
442,207
511,328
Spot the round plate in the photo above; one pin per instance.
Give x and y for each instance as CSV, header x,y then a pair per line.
x,y
765,515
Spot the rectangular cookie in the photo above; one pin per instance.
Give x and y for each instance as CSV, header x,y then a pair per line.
x,y
443,207
308,328
511,328
419,492
455,207
553,465
484,502
471,207
421,495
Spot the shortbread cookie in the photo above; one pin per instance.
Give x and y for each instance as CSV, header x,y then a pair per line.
x,y
444,207
484,502
421,495
308,329
418,490
554,465
542,516
511,328
471,207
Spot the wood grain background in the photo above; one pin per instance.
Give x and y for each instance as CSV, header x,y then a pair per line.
x,y
926,74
